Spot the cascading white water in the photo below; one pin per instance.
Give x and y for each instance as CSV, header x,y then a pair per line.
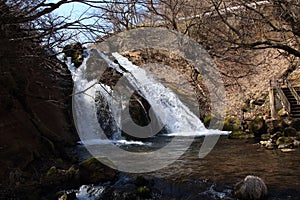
x,y
173,114
84,106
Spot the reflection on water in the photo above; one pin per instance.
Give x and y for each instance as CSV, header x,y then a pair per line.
x,y
232,160
229,162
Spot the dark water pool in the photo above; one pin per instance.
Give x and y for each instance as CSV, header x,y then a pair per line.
x,y
214,176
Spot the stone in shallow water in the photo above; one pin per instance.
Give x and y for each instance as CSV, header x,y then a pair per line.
x,y
251,188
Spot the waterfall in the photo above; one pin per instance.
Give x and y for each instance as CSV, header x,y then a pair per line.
x,y
98,108
173,113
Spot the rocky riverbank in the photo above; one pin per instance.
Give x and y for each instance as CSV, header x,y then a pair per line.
x,y
281,133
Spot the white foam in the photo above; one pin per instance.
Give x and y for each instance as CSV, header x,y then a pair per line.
x,y
106,141
198,134
89,192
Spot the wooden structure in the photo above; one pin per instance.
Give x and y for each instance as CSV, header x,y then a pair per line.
x,y
288,95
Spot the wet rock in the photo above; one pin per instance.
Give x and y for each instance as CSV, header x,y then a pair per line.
x,y
258,127
284,142
207,120
287,121
251,188
212,122
68,196
275,136
105,117
275,126
144,192
265,136
290,132
240,135
93,171
141,123
139,109
61,177
232,124
296,124
270,145
52,171
282,113
296,143
63,197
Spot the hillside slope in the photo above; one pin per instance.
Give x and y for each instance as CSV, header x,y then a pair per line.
x,y
35,123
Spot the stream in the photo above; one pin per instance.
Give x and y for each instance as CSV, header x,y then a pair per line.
x,y
214,176
182,174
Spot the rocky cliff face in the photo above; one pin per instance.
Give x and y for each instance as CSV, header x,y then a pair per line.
x,y
35,111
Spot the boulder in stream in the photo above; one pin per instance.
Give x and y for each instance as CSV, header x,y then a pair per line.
x,y
251,188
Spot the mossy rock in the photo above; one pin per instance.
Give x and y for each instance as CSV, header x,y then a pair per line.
x,y
93,171
282,113
290,132
207,120
232,124
258,126
240,135
265,136
72,173
52,171
284,141
212,122
275,126
276,135
144,192
61,175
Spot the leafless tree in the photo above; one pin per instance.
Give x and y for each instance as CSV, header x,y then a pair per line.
x,y
258,24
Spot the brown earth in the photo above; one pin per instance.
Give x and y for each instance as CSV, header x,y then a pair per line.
x,y
248,80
